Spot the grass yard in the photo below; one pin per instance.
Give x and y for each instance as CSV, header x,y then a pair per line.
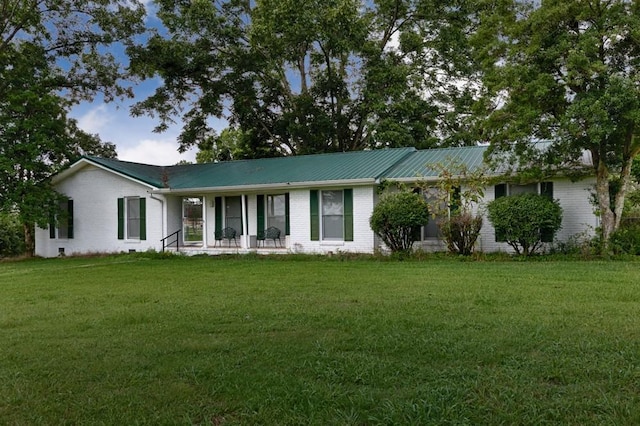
x,y
138,340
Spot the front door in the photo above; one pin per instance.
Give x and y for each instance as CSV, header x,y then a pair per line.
x,y
233,214
192,220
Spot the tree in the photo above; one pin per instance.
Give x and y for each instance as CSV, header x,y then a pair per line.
x,y
568,72
229,145
303,76
52,55
11,235
457,194
396,216
524,220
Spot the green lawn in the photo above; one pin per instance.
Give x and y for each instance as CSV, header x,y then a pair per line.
x,y
129,339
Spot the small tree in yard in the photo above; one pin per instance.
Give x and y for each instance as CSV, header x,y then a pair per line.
x,y
522,220
457,191
460,231
396,216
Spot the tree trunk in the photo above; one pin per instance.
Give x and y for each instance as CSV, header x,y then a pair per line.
x,y
625,179
29,243
607,216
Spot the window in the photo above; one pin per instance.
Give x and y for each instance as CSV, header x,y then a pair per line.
x,y
132,218
542,188
438,211
331,215
63,222
273,210
192,221
276,212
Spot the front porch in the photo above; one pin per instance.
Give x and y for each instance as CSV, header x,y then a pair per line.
x,y
227,223
192,250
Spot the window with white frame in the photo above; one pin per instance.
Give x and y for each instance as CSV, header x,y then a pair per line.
x,y
276,212
132,218
332,215
439,210
542,188
62,225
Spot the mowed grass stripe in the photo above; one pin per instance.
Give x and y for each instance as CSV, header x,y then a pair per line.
x,y
123,340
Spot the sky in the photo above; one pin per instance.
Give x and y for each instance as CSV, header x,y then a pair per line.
x,y
133,136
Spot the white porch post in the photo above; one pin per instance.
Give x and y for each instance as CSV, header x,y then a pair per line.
x,y
245,226
204,221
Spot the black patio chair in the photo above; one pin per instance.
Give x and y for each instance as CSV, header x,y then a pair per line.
x,y
271,233
228,234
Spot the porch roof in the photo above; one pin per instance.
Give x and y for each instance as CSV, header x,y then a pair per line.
x,y
343,166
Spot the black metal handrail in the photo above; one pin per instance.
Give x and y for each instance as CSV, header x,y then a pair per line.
x,y
177,240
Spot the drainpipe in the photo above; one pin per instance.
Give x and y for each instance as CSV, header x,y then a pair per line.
x,y
162,215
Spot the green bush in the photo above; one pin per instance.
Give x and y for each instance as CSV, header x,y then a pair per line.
x,y
460,232
396,216
525,220
11,235
626,240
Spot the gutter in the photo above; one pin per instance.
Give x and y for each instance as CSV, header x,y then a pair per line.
x,y
262,187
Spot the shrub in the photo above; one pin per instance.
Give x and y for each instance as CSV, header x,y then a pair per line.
x,y
626,240
396,216
461,231
524,220
11,235
460,191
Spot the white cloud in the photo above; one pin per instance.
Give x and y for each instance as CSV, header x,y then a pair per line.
x,y
94,120
158,152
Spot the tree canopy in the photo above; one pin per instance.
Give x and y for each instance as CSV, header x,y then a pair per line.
x,y
307,76
52,55
566,72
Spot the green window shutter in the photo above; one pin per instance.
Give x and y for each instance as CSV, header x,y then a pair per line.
x,y
70,219
143,218
348,214
287,229
315,215
52,226
416,233
260,213
121,218
218,203
500,191
546,189
246,214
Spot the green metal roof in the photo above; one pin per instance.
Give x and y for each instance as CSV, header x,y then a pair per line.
x,y
343,166
142,172
420,163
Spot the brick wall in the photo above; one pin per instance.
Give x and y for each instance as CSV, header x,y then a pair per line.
x,y
95,193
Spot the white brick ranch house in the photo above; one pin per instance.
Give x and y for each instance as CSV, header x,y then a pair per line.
x,y
318,203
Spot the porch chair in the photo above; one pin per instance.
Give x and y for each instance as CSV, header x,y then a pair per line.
x,y
271,233
228,234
